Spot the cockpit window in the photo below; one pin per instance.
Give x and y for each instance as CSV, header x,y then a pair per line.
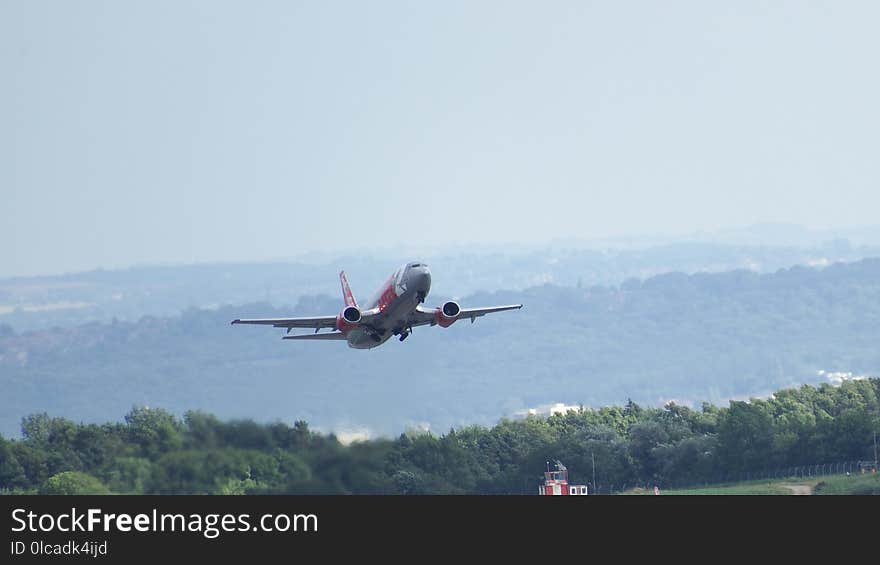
x,y
398,280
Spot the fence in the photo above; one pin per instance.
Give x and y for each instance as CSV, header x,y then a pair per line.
x,y
795,472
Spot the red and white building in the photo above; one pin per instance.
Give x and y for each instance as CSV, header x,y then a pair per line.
x,y
556,483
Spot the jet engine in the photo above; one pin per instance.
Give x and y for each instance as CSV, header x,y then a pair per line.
x,y
348,319
448,314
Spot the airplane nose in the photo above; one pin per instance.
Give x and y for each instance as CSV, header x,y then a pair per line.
x,y
421,280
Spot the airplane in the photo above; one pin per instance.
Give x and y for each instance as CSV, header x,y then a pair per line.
x,y
394,310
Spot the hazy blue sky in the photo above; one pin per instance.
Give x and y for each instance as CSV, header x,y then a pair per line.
x,y
141,132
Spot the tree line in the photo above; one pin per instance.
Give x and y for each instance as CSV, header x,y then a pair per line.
x,y
154,451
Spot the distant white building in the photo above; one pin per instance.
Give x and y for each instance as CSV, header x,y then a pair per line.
x,y
546,410
837,378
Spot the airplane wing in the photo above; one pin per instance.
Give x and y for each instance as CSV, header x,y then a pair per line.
x,y
423,315
331,335
316,322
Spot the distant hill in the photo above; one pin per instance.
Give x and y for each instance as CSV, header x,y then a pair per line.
x,y
692,338
33,303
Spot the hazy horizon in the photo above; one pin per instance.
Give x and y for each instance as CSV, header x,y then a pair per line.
x,y
758,235
178,133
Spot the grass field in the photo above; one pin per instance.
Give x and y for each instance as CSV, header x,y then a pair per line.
x,y
836,484
856,484
775,487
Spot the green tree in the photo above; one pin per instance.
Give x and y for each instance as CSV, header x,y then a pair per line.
x,y
12,474
745,438
73,482
35,427
33,460
128,475
155,430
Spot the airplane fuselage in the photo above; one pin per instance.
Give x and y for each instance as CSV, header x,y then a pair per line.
x,y
396,299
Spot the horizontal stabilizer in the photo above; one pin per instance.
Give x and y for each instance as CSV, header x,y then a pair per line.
x,y
331,335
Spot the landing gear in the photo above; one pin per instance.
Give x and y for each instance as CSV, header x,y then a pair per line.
x,y
404,333
421,296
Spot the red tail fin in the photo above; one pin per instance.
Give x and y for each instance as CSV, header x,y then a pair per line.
x,y
346,291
